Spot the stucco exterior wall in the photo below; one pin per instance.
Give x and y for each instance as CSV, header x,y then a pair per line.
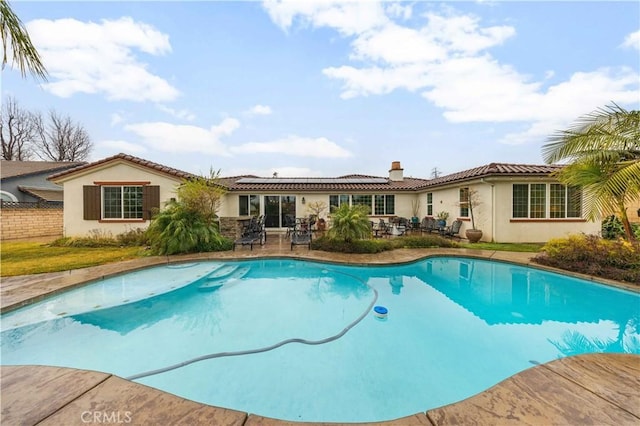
x,y
532,230
75,225
448,200
633,211
494,214
230,207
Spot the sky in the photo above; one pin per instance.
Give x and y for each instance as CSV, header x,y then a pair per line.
x,y
328,88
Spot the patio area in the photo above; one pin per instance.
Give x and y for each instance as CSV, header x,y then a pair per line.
x,y
586,389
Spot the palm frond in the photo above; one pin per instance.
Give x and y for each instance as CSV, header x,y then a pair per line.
x,y
16,38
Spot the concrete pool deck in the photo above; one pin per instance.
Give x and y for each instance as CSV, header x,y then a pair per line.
x,y
601,389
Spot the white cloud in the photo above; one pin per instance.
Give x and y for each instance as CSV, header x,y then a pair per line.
x,y
99,58
182,114
447,60
632,40
396,10
377,80
295,145
347,17
285,171
122,146
170,137
116,119
563,103
259,110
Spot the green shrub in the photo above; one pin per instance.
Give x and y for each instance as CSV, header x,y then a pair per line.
x,y
612,228
95,238
354,246
427,241
133,237
350,223
179,229
379,245
590,254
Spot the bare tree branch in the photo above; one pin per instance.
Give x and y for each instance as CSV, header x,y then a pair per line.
x,y
17,131
61,139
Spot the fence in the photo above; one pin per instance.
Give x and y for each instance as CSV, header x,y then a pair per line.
x,y
20,220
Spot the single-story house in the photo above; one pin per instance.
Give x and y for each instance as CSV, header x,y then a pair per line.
x,y
26,181
518,202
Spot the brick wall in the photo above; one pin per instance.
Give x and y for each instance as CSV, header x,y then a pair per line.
x,y
16,223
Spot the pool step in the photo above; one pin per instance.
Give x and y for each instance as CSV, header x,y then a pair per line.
x,y
221,272
228,279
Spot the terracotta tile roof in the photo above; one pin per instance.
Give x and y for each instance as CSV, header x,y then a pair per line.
x,y
125,157
44,194
495,169
9,169
328,184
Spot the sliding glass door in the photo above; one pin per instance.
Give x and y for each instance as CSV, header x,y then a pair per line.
x,y
276,207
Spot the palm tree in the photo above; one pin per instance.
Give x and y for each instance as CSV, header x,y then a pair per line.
x,y
603,149
350,223
15,35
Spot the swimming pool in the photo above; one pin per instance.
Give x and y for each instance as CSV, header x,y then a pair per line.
x,y
455,327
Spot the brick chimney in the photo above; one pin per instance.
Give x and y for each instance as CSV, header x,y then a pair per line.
x,y
395,174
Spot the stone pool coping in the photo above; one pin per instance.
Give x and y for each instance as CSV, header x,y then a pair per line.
x,y
601,389
593,388
22,290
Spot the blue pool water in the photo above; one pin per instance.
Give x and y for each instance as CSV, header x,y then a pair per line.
x,y
455,327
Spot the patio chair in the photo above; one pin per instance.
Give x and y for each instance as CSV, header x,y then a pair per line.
x,y
290,224
453,230
301,237
252,234
383,228
429,225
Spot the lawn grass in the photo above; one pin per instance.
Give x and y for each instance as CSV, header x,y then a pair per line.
x,y
22,258
518,247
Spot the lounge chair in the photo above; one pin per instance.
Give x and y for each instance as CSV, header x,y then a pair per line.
x,y
254,233
453,230
301,237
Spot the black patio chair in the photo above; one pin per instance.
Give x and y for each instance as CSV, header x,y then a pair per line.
x,y
429,225
301,237
253,233
453,230
290,224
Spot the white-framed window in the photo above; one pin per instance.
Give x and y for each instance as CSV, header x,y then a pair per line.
x,y
336,200
248,205
542,200
384,204
363,200
379,204
429,203
464,202
122,202
564,201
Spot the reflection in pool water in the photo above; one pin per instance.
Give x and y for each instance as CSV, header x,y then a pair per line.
x,y
455,327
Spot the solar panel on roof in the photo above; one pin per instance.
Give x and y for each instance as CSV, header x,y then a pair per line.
x,y
312,180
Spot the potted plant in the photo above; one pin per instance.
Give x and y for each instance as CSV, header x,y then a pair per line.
x,y
317,208
415,210
442,218
473,201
